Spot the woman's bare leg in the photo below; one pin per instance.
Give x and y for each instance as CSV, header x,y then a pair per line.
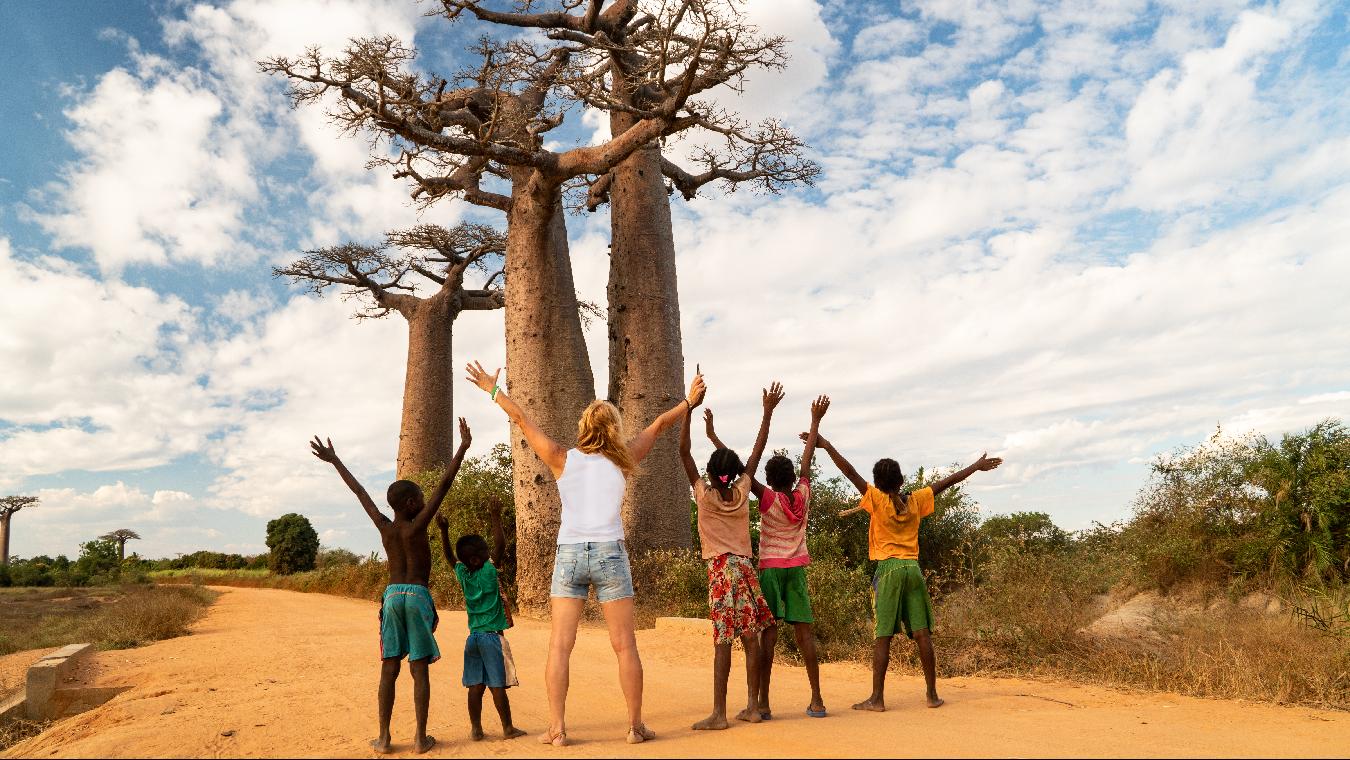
x,y
566,616
622,636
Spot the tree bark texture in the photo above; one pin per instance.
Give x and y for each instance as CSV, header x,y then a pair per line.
x,y
4,538
548,369
646,357
426,434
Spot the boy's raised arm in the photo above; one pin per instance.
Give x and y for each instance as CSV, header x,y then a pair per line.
x,y
423,518
443,523
772,395
708,429
498,532
327,454
983,464
839,461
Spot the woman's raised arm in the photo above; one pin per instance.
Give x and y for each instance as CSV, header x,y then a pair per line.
x,y
547,449
642,443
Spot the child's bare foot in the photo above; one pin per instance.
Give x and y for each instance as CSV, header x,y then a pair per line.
x,y
750,715
640,733
381,745
511,732
713,722
427,743
872,705
476,733
934,700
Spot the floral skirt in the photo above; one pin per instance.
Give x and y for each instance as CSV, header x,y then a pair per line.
x,y
735,604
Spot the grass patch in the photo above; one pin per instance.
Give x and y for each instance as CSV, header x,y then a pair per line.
x,y
109,617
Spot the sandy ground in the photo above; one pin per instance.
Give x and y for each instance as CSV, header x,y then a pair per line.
x,y
294,675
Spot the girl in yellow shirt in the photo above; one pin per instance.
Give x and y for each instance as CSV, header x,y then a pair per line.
x,y
900,596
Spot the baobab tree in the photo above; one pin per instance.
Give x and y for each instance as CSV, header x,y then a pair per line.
x,y
491,124
121,536
622,66
8,506
386,278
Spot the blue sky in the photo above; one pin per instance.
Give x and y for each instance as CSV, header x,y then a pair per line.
x,y
1076,236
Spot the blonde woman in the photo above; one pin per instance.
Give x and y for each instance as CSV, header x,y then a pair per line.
x,y
591,479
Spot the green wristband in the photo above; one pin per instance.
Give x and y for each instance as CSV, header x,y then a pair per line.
x,y
493,392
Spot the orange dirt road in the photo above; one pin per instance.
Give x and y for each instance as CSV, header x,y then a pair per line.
x,y
294,675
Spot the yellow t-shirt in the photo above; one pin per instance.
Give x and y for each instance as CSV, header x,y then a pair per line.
x,y
889,536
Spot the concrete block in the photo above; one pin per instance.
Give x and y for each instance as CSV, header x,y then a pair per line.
x,y
45,677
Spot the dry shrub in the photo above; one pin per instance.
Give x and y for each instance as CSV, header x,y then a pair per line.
x,y
669,583
146,615
1027,608
1230,653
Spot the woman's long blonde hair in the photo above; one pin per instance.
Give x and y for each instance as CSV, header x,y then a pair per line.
x,y
600,431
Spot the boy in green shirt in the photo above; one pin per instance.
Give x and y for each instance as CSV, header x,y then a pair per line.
x,y
487,658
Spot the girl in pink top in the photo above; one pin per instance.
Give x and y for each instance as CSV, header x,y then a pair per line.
x,y
783,510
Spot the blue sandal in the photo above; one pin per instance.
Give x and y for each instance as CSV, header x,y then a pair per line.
x,y
816,713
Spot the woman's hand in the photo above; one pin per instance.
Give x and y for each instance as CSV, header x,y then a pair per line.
x,y
479,376
697,390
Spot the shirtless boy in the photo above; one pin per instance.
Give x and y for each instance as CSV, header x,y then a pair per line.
x,y
408,615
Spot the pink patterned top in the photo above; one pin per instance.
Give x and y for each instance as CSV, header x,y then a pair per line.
x,y
782,527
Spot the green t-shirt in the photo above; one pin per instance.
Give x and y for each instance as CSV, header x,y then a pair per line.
x,y
482,597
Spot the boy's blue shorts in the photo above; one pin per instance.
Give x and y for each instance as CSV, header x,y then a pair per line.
x,y
408,623
484,662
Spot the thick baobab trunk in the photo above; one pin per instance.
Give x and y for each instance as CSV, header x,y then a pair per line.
x,y
4,538
425,439
646,357
547,368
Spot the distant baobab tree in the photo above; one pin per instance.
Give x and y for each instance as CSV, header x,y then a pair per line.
x,y
8,506
121,536
386,277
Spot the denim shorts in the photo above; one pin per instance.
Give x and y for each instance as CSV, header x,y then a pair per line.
x,y
603,564
485,660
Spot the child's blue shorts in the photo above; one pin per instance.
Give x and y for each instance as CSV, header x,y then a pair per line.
x,y
484,662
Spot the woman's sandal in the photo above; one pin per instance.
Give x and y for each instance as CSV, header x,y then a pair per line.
x,y
558,740
640,733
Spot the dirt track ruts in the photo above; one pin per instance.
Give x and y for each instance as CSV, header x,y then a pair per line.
x,y
294,675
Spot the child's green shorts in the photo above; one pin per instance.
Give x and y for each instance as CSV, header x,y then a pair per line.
x,y
408,623
784,589
900,597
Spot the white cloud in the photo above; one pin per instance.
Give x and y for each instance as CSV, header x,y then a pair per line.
x,y
94,376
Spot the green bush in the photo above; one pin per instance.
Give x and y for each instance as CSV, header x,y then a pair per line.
x,y
293,544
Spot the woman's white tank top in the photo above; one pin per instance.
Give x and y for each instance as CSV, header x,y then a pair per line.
x,y
591,488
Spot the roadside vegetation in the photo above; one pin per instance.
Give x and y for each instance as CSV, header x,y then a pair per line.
x,y
111,617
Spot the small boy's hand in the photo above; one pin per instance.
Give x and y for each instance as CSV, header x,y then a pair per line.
x,y
820,439
465,435
819,407
772,395
325,453
442,522
494,507
708,420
